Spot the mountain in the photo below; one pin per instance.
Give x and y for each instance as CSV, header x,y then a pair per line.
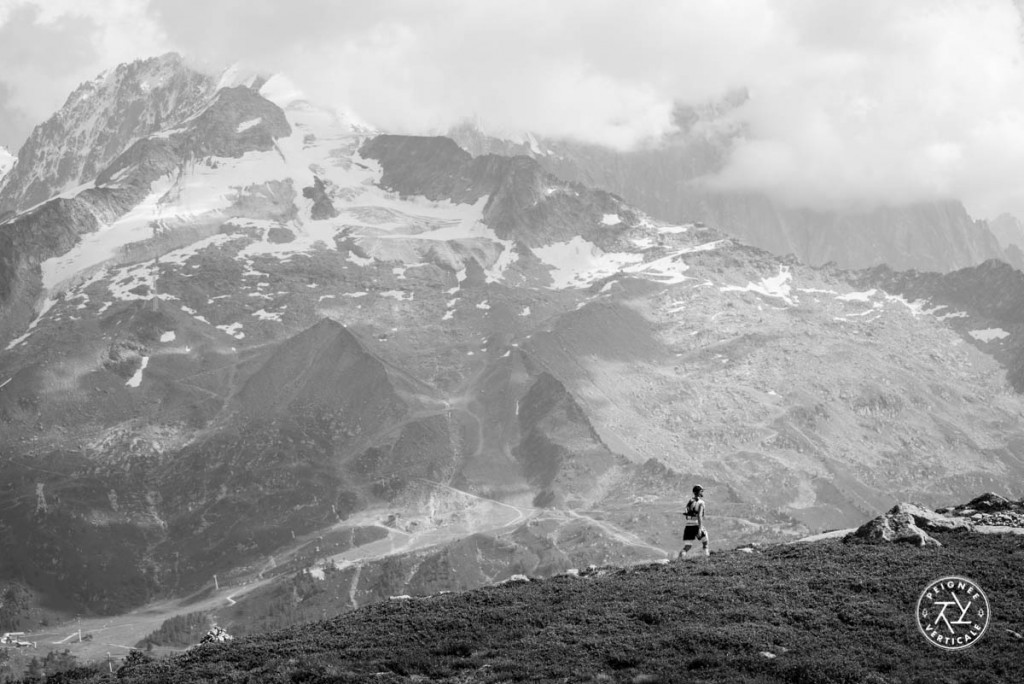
x,y
260,339
983,304
90,130
1008,230
836,610
667,181
6,162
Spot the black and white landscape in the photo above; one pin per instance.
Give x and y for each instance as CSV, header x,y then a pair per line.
x,y
265,360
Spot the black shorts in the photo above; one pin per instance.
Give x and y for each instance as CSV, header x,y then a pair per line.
x,y
690,533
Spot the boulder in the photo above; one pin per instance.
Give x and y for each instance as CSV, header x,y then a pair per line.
x,y
990,502
930,520
908,523
216,635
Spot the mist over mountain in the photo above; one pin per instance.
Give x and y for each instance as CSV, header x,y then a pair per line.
x,y
243,336
1008,230
674,181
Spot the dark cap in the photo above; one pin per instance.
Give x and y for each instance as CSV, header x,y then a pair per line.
x,y
697,489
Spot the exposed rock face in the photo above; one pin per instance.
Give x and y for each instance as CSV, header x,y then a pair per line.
x,y
236,121
322,206
525,204
436,168
984,304
49,231
664,182
1009,230
908,523
92,128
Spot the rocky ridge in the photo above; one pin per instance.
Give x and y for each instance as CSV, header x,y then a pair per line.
x,y
73,146
666,181
981,303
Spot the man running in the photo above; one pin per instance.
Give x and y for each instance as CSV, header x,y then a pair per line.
x,y
694,528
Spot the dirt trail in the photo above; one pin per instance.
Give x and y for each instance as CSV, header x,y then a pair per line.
x,y
614,532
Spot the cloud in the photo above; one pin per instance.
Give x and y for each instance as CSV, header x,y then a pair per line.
x,y
48,48
852,102
879,102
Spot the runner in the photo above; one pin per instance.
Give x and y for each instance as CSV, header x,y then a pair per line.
x,y
694,528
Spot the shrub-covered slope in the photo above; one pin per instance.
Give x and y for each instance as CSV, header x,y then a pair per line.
x,y
830,611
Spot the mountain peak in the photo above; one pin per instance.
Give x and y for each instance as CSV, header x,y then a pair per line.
x,y
98,121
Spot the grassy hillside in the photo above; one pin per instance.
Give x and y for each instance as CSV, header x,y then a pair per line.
x,y
829,611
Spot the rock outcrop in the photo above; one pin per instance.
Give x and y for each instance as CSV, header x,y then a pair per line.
x,y
991,510
216,635
323,208
908,523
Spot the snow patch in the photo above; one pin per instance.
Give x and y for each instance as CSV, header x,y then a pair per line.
x,y
400,295
989,334
103,244
358,260
674,229
136,379
578,263
858,296
235,330
611,219
246,125
264,315
497,270
916,307
777,286
168,336
669,270
955,314
483,305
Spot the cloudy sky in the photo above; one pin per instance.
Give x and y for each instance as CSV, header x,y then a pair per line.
x,y
852,102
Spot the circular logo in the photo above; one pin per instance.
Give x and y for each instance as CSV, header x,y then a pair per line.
x,y
952,613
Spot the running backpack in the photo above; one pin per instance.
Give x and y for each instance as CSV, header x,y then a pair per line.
x,y
692,509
